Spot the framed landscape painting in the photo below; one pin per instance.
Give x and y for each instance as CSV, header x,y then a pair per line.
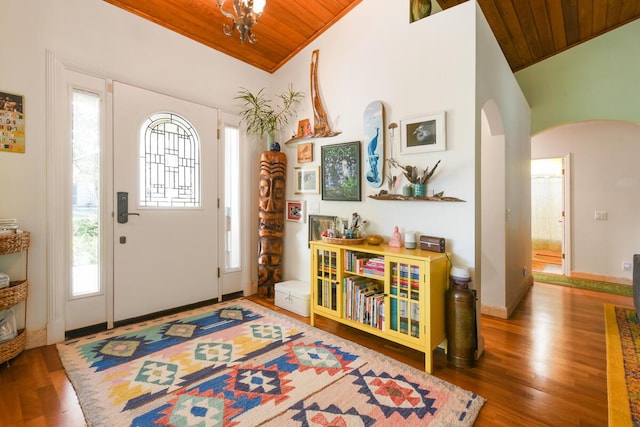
x,y
341,172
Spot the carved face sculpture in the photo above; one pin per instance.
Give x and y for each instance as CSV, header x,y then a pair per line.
x,y
272,201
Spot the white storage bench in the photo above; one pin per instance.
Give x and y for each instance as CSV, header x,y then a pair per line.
x,y
293,295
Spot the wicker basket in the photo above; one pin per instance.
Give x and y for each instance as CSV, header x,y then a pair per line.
x,y
13,243
10,349
14,294
341,241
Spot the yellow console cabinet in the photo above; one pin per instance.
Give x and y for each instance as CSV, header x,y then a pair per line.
x,y
394,293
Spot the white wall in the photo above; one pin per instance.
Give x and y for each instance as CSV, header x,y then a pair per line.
x,y
604,177
414,69
449,61
371,54
496,82
111,43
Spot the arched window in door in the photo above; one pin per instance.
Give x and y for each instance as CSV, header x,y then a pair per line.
x,y
169,162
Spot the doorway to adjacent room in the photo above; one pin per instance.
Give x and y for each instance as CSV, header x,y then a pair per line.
x,y
548,215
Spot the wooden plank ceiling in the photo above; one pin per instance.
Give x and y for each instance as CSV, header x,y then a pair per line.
x,y
528,31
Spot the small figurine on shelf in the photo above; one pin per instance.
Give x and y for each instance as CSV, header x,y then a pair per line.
x,y
396,238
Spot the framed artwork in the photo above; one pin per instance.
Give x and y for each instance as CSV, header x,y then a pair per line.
x,y
12,133
319,223
307,180
341,172
304,128
419,9
423,134
295,210
305,152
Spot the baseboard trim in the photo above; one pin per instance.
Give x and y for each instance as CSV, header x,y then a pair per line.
x,y
162,313
505,312
37,338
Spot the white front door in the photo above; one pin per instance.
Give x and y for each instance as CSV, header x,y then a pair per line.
x,y
165,160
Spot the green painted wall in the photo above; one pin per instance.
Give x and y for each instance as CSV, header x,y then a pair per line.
x,y
599,79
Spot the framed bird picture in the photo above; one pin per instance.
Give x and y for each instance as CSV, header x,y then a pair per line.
x,y
423,134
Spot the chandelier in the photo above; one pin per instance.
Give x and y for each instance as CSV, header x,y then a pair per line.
x,y
247,14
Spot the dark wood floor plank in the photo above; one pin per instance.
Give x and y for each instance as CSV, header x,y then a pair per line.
x,y
544,366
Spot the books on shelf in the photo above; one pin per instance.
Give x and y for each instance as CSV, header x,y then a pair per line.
x,y
363,263
363,301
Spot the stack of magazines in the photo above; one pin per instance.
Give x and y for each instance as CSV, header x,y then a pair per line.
x,y
8,226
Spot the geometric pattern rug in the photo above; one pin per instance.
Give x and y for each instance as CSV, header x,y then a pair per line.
x,y
239,364
623,365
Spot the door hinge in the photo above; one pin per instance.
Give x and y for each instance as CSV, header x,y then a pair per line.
x,y
562,256
218,130
218,272
218,203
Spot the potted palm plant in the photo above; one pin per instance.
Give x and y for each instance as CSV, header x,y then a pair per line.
x,y
262,118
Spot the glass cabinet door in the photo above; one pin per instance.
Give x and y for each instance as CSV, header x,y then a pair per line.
x,y
326,278
404,297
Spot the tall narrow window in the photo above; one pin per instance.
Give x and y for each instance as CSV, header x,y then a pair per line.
x,y
169,163
85,148
232,197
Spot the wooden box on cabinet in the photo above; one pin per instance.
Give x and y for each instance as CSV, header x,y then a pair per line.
x,y
394,293
16,293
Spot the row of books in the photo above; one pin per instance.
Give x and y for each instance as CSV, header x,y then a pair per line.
x,y
405,315
364,301
327,290
363,263
326,259
406,269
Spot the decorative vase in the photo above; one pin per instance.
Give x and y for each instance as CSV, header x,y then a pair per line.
x,y
406,191
419,190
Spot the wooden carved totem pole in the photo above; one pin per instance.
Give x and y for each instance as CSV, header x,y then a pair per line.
x,y
272,178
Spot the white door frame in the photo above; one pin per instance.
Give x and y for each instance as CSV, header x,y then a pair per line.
x,y
57,273
58,180
566,205
566,210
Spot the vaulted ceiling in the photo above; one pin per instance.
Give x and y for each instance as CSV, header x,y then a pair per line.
x,y
528,31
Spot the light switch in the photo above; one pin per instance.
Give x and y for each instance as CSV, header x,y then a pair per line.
x,y
600,216
313,208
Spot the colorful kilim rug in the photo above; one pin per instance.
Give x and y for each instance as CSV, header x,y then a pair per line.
x,y
623,365
240,364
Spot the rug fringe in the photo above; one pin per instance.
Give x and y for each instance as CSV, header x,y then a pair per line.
x,y
617,393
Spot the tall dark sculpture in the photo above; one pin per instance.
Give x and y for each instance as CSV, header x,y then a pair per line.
x,y
272,178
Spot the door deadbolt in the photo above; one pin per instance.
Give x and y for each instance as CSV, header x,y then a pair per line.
x,y
123,208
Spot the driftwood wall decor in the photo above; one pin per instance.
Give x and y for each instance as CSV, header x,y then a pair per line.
x,y
321,126
271,207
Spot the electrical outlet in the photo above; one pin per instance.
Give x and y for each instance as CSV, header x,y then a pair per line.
x,y
626,266
600,216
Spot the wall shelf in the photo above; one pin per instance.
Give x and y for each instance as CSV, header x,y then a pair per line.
x,y
295,139
400,197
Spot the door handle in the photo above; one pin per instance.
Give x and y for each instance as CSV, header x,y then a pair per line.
x,y
123,208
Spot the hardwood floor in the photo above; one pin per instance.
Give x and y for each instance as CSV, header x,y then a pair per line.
x,y
543,367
